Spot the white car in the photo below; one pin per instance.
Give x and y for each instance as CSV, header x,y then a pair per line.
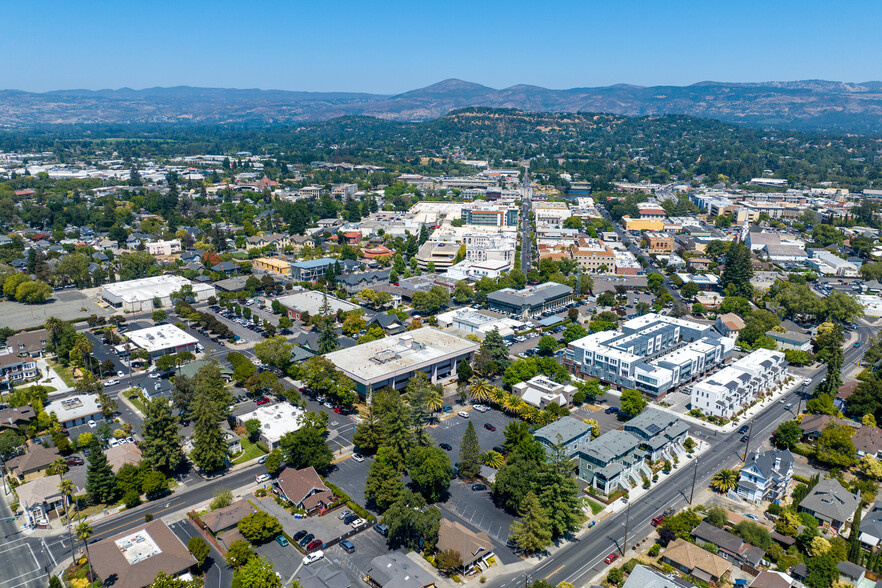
x,y
313,557
358,457
92,424
358,523
111,382
120,373
463,414
130,440
262,478
154,375
114,443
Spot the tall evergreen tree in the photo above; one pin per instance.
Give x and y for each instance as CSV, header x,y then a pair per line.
x,y
464,371
327,341
162,444
383,484
100,480
854,542
210,401
469,453
531,532
735,279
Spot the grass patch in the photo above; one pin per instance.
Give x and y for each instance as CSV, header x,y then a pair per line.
x,y
249,451
63,372
135,398
595,507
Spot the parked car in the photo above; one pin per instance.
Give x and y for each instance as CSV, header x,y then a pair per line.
x,y
344,514
611,410
306,539
752,517
262,400
350,519
75,461
358,523
313,557
347,546
611,558
358,457
489,427
314,545
463,414
479,487
92,424
280,539
446,446
120,373
299,535
262,478
262,459
657,520
111,382
381,529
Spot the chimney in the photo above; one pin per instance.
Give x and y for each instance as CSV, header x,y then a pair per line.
x,y
777,463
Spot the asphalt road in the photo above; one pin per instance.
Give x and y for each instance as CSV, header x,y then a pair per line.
x,y
525,228
580,560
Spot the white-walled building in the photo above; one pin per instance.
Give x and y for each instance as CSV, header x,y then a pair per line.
x,y
551,214
540,391
76,410
164,247
480,322
162,340
138,295
732,388
276,420
475,270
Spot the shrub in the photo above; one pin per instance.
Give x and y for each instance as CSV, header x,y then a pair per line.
x,y
132,499
654,550
615,576
629,565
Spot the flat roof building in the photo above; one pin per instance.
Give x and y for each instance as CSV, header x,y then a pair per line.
x,y
275,421
163,339
737,385
310,271
531,301
76,410
139,295
277,265
393,360
310,301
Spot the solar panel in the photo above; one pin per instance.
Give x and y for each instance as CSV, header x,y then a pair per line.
x,y
653,428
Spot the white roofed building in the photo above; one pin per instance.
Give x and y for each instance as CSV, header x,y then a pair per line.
x,y
139,295
163,339
276,420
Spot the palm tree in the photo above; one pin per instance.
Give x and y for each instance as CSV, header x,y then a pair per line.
x,y
480,390
513,404
498,396
54,325
530,413
434,400
83,347
84,531
493,459
725,480
66,487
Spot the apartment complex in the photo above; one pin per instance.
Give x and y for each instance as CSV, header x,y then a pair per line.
x,y
276,265
164,248
734,387
652,353
659,242
481,213
593,255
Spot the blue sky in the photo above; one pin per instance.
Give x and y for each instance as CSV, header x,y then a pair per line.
x,y
389,47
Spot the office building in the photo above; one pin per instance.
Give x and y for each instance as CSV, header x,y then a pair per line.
x,y
551,214
481,213
310,302
276,420
140,295
162,340
531,301
312,270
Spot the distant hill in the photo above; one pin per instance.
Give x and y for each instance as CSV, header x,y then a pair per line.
x,y
809,105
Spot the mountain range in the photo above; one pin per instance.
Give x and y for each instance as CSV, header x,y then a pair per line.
x,y
810,105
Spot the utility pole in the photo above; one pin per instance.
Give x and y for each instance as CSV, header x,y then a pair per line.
x,y
694,475
526,580
627,524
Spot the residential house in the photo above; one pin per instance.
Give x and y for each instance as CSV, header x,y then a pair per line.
x,y
33,462
298,242
791,339
842,396
871,527
701,264
812,425
569,432
830,503
280,241
475,548
390,324
133,558
647,577
40,499
729,324
13,418
850,573
15,370
772,579
304,489
731,547
692,559
226,518
353,283
226,267
122,454
540,391
765,476
28,343
868,441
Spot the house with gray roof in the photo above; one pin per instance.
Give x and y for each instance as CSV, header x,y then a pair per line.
x,y
871,527
830,503
619,458
766,475
647,577
567,431
731,547
398,570
850,573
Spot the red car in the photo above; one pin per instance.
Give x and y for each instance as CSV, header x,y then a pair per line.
x,y
657,520
338,410
489,427
313,546
262,400
611,558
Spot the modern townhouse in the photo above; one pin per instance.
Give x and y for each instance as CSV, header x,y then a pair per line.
x,y
737,385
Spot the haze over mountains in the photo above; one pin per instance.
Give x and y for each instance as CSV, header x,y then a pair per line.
x,y
811,105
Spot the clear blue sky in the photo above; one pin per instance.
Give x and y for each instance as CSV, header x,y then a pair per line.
x,y
389,47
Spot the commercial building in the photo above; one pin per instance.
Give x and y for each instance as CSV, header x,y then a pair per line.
x,y
481,213
277,265
830,264
551,214
133,558
441,254
530,301
734,387
275,421
162,340
311,301
140,295
643,224
475,270
618,459
659,242
164,248
480,322
540,391
652,353
76,410
393,360
594,256
312,270
487,246
475,548
765,476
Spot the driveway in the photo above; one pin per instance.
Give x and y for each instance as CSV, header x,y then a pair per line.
x,y
217,571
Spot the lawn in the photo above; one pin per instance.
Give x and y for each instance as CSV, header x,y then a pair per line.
x,y
135,398
595,507
249,451
63,373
